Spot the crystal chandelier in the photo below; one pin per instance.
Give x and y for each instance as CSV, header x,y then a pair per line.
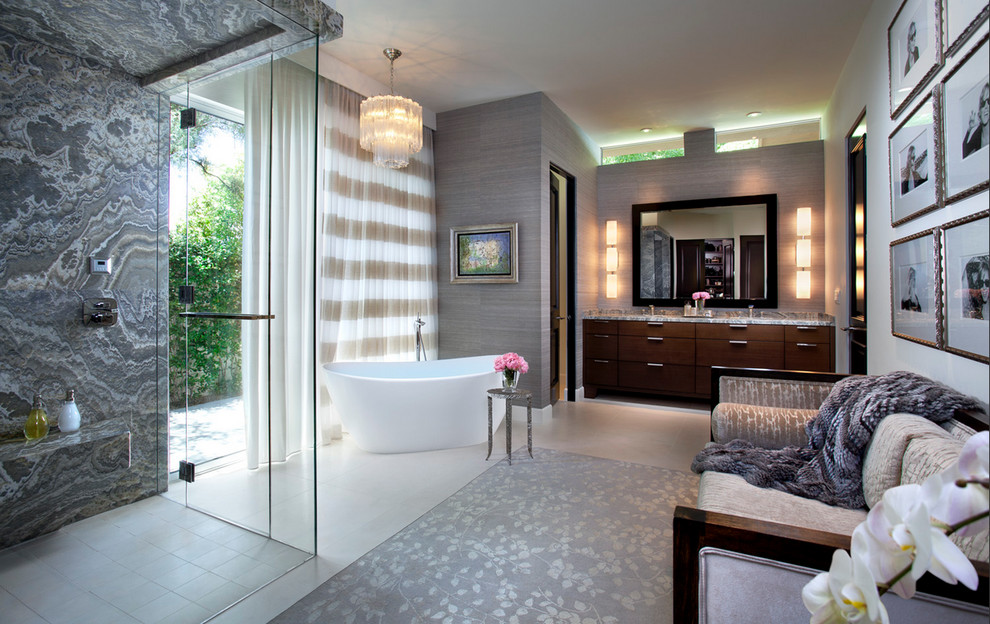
x,y
391,125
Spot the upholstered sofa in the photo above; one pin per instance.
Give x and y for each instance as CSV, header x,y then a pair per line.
x,y
736,526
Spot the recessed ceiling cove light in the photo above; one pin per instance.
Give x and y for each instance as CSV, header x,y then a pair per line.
x,y
646,130
754,114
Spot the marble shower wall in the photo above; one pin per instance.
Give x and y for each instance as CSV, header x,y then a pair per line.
x,y
80,171
84,173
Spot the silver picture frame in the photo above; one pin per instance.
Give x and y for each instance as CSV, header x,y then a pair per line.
x,y
914,164
964,125
484,254
915,288
914,51
966,302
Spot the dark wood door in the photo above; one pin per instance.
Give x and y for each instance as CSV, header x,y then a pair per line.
x,y
752,267
690,271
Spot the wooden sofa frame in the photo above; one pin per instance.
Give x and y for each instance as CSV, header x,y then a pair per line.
x,y
695,529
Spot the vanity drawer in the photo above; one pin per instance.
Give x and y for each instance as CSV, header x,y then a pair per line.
x,y
600,372
595,326
744,353
657,328
809,356
656,376
600,345
656,349
808,333
741,331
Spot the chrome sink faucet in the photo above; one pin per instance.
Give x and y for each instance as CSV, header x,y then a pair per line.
x,y
651,310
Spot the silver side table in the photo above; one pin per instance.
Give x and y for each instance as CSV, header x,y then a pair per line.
x,y
510,396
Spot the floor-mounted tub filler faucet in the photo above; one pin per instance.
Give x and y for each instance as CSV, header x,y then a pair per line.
x,y
419,339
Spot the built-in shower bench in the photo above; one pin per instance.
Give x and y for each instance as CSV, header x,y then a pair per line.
x,y
48,483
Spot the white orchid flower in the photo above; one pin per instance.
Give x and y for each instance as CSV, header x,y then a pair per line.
x,y
899,536
846,593
952,504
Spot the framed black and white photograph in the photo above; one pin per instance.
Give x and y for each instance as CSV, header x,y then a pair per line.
x,y
966,258
487,254
965,123
915,288
914,42
913,166
960,19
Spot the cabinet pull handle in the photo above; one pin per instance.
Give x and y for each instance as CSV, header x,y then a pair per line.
x,y
654,324
602,336
738,326
742,342
806,344
601,361
601,321
654,338
654,364
802,328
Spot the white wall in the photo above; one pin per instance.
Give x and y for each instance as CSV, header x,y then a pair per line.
x,y
864,84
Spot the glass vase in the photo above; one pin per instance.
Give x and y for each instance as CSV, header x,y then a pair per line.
x,y
510,379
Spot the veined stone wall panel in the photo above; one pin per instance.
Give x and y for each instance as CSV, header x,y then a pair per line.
x,y
80,165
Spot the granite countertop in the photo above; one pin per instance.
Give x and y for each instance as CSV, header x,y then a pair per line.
x,y
718,315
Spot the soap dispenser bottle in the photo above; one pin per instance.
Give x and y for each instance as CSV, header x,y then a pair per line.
x,y
68,419
36,425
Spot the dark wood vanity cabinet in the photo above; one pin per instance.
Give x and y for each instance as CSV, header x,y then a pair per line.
x,y
676,358
601,348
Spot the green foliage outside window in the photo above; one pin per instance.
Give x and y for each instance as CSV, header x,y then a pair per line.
x,y
654,155
205,251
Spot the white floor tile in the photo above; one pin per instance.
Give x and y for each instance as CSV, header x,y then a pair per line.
x,y
190,566
201,586
160,608
16,612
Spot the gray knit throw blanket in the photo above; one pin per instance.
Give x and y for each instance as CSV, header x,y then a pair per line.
x,y
829,468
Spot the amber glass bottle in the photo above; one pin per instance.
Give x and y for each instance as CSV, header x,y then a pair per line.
x,y
36,425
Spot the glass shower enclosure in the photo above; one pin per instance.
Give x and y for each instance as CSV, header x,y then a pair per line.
x,y
241,261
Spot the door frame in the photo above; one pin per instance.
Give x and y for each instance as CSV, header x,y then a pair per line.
x,y
857,326
570,209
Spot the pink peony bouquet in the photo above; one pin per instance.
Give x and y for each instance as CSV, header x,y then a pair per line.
x,y
701,294
512,362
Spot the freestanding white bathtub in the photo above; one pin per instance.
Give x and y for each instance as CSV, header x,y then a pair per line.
x,y
401,407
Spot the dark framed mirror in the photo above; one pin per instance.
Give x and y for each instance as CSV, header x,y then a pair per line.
x,y
726,246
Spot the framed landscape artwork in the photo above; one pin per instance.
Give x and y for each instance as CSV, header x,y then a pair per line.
x,y
967,285
484,254
965,125
913,166
961,18
915,288
914,41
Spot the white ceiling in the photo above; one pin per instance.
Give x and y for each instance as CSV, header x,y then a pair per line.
x,y
613,66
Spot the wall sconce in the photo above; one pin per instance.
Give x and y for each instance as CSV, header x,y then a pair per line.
x,y
611,260
802,256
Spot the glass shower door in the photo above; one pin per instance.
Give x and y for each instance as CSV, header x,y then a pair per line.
x,y
224,255
207,431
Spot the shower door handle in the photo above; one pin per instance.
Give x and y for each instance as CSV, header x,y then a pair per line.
x,y
220,315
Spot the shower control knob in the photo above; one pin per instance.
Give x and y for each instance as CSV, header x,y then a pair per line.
x,y
102,312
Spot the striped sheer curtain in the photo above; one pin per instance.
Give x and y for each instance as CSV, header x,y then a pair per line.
x,y
377,248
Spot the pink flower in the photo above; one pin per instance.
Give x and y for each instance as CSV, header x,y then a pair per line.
x,y
701,295
511,361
